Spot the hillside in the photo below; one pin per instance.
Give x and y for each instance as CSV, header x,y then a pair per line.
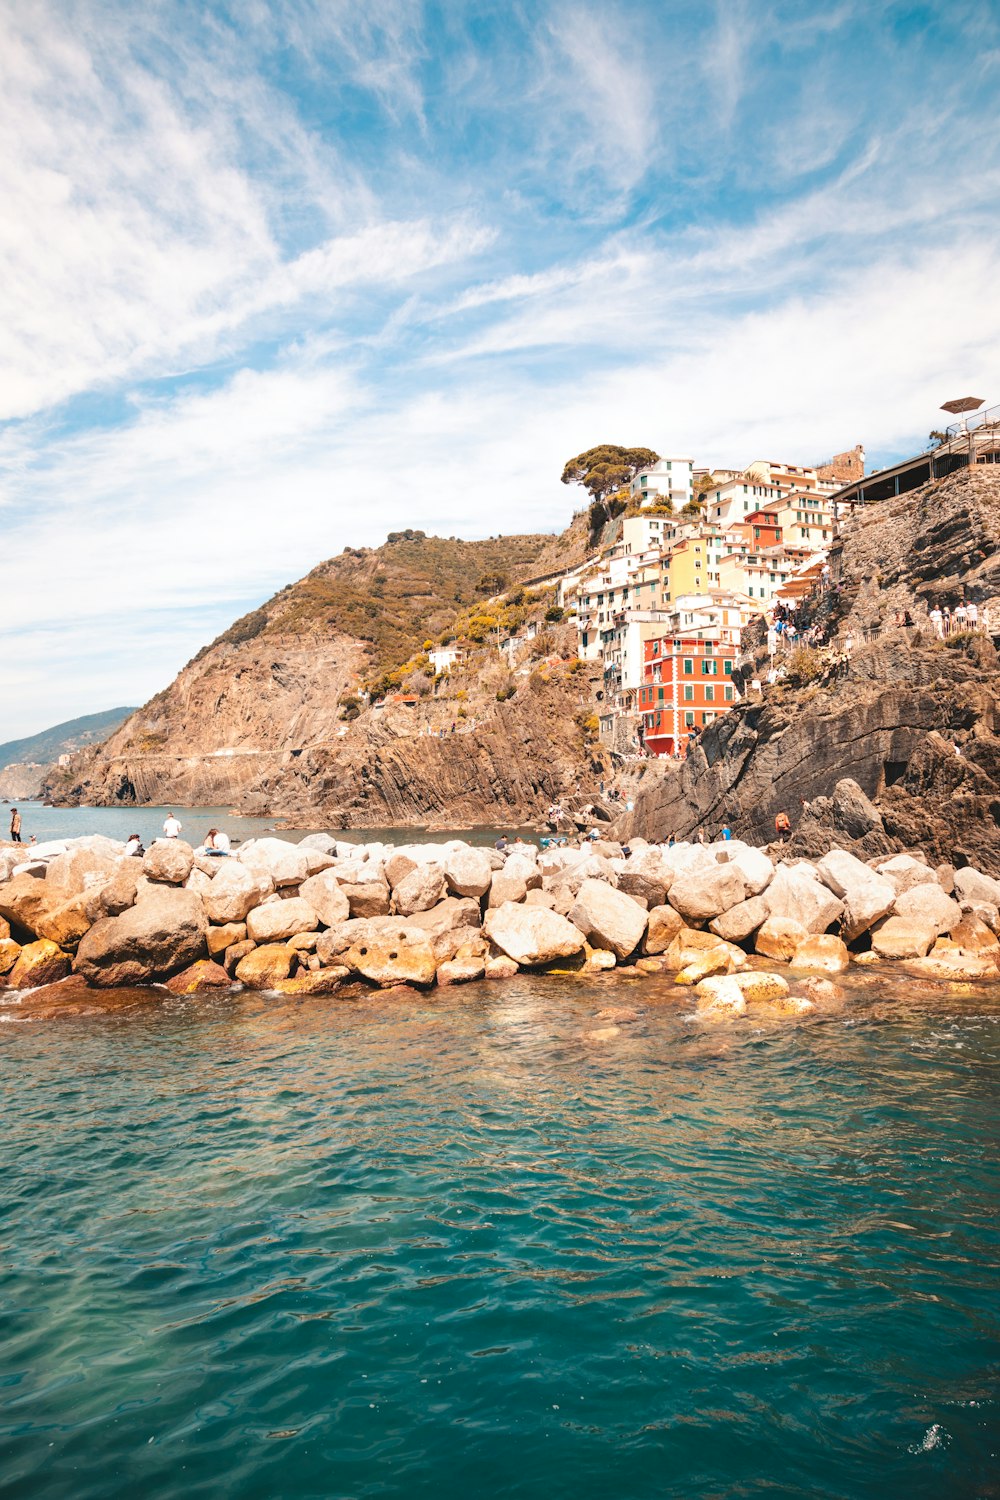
x,y
63,739
913,720
272,716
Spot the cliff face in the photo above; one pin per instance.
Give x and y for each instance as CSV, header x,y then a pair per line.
x,y
262,719
912,720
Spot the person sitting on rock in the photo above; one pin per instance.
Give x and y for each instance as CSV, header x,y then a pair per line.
x,y
133,846
217,843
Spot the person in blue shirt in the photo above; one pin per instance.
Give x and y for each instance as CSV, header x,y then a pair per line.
x,y
726,832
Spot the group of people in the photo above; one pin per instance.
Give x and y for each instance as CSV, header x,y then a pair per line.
x,y
216,842
965,616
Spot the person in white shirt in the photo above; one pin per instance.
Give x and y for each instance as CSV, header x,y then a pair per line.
x,y
972,615
937,620
171,827
217,842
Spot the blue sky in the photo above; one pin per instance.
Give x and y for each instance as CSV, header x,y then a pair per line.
x,y
282,276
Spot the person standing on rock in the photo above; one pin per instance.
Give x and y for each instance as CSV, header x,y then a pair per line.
x,y
937,621
972,615
782,826
171,827
15,826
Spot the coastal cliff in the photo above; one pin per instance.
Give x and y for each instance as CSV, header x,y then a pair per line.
x,y
273,717
911,719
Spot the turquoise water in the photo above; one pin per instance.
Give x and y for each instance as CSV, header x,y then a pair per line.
x,y
459,1247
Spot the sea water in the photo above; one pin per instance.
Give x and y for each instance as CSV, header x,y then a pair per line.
x,y
489,1243
119,822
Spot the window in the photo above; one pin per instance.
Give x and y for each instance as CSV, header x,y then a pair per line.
x,y
689,720
688,692
710,695
729,693
727,667
707,718
659,694
708,648
689,666
709,668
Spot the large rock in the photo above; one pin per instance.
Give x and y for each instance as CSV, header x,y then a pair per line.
x,y
978,889
468,872
663,926
324,842
608,918
644,886
421,889
507,886
202,975
903,937
753,864
466,966
855,813
332,944
954,965
903,871
72,873
797,893
235,891
740,921
65,925
718,995
162,933
326,897
41,962
591,867
218,939
449,915
531,935
263,967
367,895
277,920
393,953
282,863
822,951
691,944
759,987
779,937
121,890
866,895
23,900
10,952
705,894
928,904
973,935
168,861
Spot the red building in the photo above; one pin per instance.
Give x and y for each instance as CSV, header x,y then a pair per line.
x,y
686,684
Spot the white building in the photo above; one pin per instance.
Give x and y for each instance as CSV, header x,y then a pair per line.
x,y
443,659
668,479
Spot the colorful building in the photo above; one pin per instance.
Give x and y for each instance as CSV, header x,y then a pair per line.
x,y
687,683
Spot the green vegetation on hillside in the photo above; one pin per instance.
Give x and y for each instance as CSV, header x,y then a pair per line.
x,y
393,597
63,739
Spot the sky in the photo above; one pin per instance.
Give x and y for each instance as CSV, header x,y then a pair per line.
x,y
281,276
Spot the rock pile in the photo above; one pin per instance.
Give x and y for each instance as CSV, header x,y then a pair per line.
x,y
308,918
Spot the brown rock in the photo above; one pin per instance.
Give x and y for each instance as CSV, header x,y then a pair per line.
x,y
219,939
779,937
608,918
23,900
531,935
326,897
10,952
304,942
161,934
41,962
235,892
901,937
65,925
4,928
822,951
261,969
664,925
420,890
318,982
168,861
202,975
460,970
973,935
393,953
236,953
714,961
120,892
740,921
500,967
277,920
369,898
72,873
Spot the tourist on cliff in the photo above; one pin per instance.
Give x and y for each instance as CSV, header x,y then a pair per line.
x,y
972,615
782,826
937,621
171,827
15,826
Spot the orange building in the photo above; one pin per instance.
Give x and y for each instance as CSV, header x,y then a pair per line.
x,y
687,683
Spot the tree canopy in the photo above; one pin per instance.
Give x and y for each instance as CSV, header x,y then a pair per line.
x,y
607,467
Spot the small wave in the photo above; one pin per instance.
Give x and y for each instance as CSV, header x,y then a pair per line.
x,y
934,1437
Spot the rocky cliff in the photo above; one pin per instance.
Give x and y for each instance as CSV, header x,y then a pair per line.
x,y
272,717
910,719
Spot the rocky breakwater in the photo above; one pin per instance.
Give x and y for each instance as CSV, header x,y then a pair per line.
x,y
325,916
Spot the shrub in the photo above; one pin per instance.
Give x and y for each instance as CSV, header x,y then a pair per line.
x,y
350,708
506,692
554,615
805,664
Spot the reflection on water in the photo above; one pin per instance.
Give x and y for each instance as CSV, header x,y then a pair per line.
x,y
457,1246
